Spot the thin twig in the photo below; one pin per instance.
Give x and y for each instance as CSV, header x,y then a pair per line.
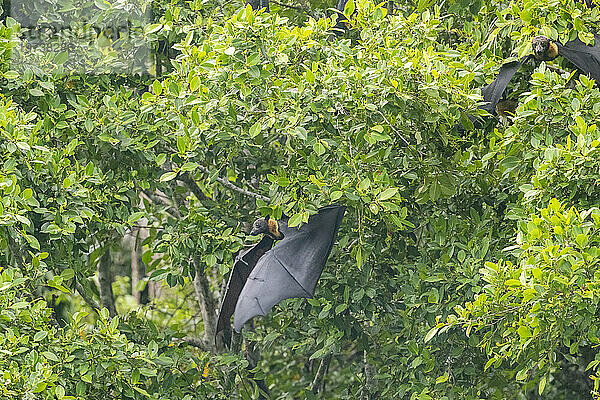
x,y
398,133
195,342
162,200
557,69
229,185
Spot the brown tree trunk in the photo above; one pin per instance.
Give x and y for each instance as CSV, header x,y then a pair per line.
x,y
207,302
105,280
138,269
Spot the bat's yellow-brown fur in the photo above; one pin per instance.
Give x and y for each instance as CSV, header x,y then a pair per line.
x,y
544,49
268,227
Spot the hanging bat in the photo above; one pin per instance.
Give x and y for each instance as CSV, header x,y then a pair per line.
x,y
585,58
341,26
243,265
264,276
493,94
292,267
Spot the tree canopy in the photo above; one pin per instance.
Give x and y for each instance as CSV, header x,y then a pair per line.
x,y
134,156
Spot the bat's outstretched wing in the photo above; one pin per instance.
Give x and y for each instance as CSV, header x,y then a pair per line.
x,y
244,264
585,58
493,92
292,267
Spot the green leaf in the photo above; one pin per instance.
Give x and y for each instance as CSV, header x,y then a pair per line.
x,y
157,87
11,75
319,148
142,391
50,356
102,4
168,176
349,8
310,77
194,84
135,216
189,166
36,92
522,374
255,129
442,379
524,332
152,28
40,335
295,220
27,193
542,385
61,57
181,144
387,194
431,334
160,159
335,195
135,376
59,391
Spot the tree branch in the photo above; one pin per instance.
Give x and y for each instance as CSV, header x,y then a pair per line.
x,y
370,388
161,200
193,186
105,280
318,384
252,354
194,342
557,69
229,185
206,302
89,301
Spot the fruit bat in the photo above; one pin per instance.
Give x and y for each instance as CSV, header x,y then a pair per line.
x,y
341,26
493,93
265,275
243,265
585,58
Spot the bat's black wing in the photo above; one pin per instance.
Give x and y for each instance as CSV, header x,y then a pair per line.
x,y
243,266
493,92
585,58
340,26
292,267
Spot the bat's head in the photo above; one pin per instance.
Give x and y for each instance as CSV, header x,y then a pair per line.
x,y
543,48
266,226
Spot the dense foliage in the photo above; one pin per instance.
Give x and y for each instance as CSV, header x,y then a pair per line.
x,y
466,266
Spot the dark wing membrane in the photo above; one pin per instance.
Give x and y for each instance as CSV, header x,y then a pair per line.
x,y
292,267
585,58
493,92
340,26
243,266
